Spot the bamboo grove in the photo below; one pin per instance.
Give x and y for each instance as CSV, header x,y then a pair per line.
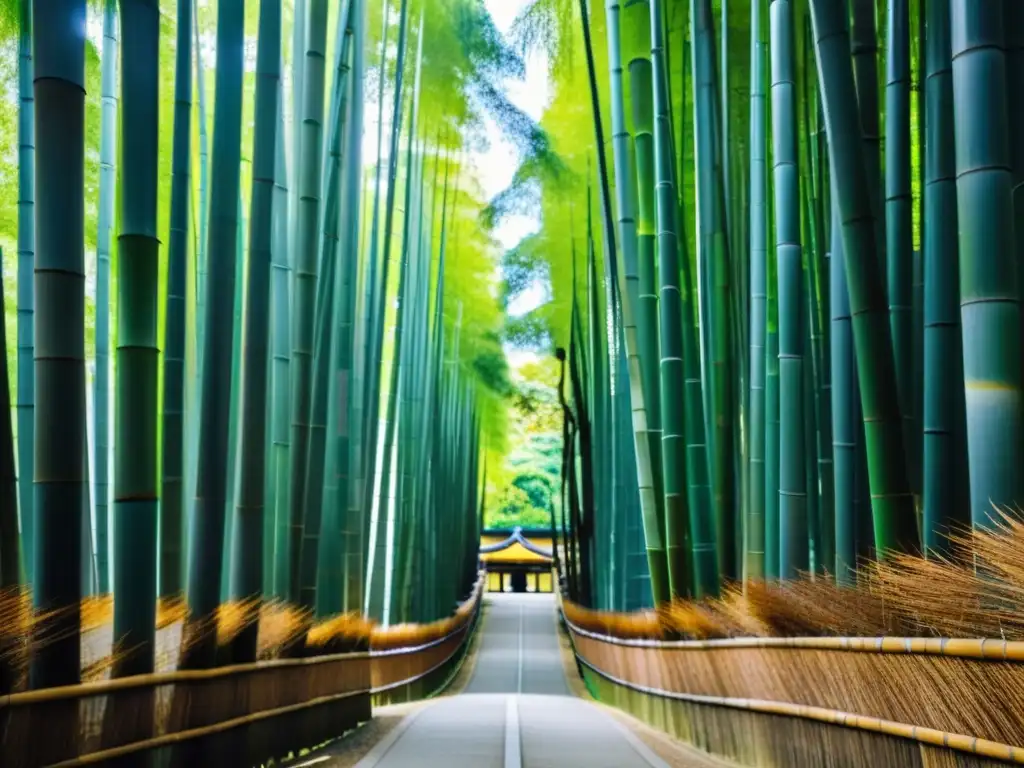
x,y
278,378
786,273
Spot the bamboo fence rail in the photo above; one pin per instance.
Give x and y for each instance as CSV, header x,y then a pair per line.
x,y
237,715
812,701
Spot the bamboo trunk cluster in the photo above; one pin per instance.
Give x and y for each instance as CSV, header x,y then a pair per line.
x,y
831,375
245,464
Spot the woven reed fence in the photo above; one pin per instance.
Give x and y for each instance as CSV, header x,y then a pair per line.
x,y
795,702
418,672
239,715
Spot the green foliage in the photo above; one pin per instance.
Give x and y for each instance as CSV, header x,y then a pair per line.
x,y
529,481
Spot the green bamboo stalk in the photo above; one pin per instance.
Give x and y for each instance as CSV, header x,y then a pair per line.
x,y
207,540
895,524
374,588
248,557
864,53
172,502
105,221
275,517
280,319
10,556
1013,54
845,406
325,321
646,301
989,294
899,207
310,172
607,219
755,522
379,598
597,381
672,306
772,425
138,357
634,236
296,113
234,406
713,274
59,418
201,224
697,404
793,520
349,445
204,195
944,476
368,371
26,293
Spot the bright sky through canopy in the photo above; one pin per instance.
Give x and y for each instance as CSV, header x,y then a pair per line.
x,y
496,167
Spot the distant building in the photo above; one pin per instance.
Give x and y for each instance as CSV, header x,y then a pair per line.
x,y
516,560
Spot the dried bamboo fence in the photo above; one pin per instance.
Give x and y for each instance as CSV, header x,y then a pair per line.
x,y
240,715
815,701
406,673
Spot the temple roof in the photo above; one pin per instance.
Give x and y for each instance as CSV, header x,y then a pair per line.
x,y
514,548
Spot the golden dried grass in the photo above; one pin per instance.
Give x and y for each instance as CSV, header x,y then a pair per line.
x,y
637,625
346,630
977,591
280,625
411,635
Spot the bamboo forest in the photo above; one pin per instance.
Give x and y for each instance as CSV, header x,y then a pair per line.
x,y
393,382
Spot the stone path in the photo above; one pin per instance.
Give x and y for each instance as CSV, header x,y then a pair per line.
x,y
516,711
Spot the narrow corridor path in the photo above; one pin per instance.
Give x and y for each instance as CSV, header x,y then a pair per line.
x,y
517,710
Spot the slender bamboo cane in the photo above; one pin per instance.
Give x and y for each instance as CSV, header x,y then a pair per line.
x,y
989,294
26,292
864,54
899,207
138,357
793,550
944,475
377,312
172,502
633,237
275,543
207,540
248,559
59,418
895,524
306,274
10,556
349,434
105,221
755,522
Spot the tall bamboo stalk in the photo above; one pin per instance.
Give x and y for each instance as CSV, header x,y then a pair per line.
x,y
138,357
59,416
207,540
895,523
10,555
632,237
310,171
989,295
793,543
105,223
899,247
248,558
944,473
26,292
755,521
172,500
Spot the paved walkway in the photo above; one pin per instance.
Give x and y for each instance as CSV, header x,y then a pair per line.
x,y
516,711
